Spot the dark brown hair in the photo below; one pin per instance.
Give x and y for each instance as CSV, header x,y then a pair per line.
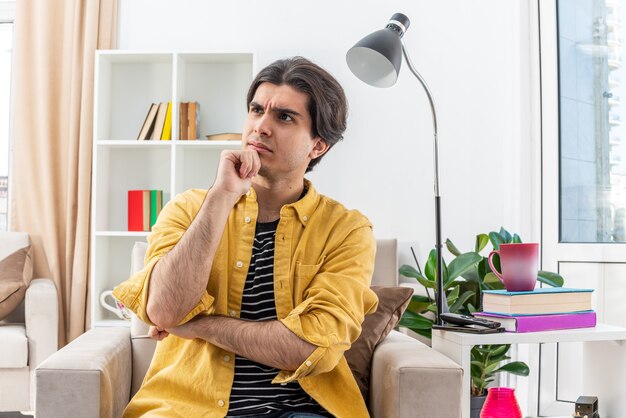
x,y
327,105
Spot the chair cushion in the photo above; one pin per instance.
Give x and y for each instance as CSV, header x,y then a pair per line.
x,y
14,347
392,301
16,272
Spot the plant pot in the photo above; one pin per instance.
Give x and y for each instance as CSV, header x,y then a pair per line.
x,y
476,405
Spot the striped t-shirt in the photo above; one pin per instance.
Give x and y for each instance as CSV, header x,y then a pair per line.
x,y
253,392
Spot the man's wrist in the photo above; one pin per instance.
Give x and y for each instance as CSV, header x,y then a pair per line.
x,y
224,195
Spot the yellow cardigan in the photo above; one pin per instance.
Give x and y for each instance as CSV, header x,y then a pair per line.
x,y
323,264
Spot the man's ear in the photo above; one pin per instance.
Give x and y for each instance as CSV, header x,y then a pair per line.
x,y
319,148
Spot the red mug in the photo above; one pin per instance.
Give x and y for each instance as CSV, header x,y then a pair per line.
x,y
519,263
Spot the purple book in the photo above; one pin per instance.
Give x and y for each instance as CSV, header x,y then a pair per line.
x,y
534,323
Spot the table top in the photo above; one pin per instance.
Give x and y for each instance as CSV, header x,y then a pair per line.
x,y
601,332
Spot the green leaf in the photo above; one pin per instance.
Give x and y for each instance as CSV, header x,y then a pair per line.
x,y
471,308
551,279
477,363
516,367
492,280
481,242
496,240
497,350
483,349
415,321
452,248
456,306
453,295
431,265
420,298
490,368
462,263
517,239
506,236
419,306
426,283
472,275
409,271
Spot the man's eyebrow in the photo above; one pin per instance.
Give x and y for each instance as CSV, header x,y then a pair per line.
x,y
286,110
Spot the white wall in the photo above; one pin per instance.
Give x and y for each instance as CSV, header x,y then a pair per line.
x,y
474,55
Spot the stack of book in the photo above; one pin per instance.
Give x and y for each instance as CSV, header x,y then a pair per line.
x,y
542,309
144,207
158,123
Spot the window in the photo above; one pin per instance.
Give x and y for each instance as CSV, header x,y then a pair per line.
x,y
592,117
7,13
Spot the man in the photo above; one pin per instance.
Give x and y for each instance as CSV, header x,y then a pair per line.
x,y
256,287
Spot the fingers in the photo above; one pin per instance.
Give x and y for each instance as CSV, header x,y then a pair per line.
x,y
250,164
157,334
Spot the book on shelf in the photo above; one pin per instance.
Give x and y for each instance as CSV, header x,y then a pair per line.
x,y
148,124
143,209
183,109
193,119
224,137
159,122
166,135
545,300
535,323
138,210
156,204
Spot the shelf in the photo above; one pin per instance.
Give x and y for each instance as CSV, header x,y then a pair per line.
x,y
126,84
122,233
132,143
209,144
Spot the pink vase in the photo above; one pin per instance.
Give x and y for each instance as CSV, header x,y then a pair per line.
x,y
501,403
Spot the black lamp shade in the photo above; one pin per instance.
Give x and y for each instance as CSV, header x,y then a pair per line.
x,y
376,59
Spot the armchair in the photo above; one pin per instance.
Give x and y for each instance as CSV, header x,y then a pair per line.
x,y
98,373
28,335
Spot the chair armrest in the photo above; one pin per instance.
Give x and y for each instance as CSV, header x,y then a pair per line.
x,y
41,314
410,379
88,378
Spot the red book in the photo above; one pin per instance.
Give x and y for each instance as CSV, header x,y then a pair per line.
x,y
139,210
534,323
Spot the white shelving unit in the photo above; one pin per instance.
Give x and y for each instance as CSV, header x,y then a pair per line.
x,y
126,83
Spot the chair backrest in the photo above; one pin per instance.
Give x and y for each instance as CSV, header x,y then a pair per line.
x,y
385,274
9,243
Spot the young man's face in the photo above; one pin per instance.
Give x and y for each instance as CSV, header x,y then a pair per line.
x,y
278,127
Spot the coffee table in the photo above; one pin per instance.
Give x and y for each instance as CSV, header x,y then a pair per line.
x,y
457,346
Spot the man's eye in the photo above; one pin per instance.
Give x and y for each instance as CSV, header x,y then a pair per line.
x,y
286,117
256,110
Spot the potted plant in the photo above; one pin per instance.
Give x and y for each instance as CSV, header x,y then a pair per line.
x,y
463,280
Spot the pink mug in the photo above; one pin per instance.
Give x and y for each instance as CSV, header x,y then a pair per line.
x,y
519,263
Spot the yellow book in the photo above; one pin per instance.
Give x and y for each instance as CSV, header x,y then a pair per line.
x,y
166,135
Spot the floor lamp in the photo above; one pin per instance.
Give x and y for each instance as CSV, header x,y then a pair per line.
x,y
376,60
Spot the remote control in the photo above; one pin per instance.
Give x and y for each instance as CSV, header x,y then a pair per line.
x,y
459,319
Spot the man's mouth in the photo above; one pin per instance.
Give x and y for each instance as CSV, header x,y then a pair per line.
x,y
258,146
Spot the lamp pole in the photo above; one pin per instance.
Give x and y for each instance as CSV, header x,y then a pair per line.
x,y
376,60
440,299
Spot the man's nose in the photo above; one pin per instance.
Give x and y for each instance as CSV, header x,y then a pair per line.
x,y
263,125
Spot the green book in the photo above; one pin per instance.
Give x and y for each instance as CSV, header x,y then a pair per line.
x,y
156,204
